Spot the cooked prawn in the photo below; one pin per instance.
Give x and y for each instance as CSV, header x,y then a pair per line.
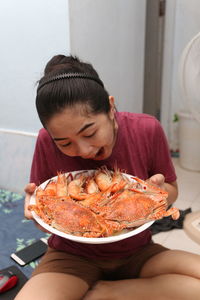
x,y
105,179
118,181
76,189
90,186
61,185
49,190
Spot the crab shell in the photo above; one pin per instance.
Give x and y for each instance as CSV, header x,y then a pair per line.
x,y
68,216
132,209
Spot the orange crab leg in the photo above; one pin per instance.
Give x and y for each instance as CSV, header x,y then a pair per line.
x,y
174,212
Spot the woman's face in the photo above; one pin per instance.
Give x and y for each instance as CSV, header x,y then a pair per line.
x,y
77,132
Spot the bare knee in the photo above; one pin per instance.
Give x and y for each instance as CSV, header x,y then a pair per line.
x,y
172,262
50,286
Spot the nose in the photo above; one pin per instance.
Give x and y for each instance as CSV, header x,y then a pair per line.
x,y
85,150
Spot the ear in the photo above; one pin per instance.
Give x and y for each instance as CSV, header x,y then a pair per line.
x,y
112,107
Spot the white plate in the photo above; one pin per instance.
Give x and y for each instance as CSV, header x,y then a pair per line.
x,y
102,240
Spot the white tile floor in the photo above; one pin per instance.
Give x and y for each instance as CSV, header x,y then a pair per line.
x,y
189,196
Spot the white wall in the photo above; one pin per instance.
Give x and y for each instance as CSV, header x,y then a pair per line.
x,y
31,33
187,25
110,35
182,24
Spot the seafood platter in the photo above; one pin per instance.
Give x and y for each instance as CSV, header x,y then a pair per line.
x,y
98,206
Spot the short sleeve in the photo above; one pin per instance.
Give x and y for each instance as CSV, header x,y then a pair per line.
x,y
161,157
40,170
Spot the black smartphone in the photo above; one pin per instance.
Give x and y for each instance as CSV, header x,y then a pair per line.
x,y
30,253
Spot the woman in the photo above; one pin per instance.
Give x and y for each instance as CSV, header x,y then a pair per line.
x,y
82,130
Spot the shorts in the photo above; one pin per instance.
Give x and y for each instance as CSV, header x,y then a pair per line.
x,y
92,270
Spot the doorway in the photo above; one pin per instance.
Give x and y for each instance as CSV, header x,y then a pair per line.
x,y
153,61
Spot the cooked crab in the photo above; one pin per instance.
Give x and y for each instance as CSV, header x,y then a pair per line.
x,y
100,204
132,209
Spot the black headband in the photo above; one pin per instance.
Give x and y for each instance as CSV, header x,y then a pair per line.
x,y
67,76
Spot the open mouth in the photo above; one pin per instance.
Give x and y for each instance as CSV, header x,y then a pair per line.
x,y
99,153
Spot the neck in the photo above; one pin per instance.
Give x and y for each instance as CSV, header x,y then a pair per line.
x,y
115,130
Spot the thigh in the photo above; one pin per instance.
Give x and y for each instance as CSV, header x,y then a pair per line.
x,y
62,262
131,269
172,261
51,286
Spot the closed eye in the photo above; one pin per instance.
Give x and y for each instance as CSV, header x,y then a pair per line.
x,y
90,135
65,145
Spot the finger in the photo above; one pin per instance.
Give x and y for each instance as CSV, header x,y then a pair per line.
x,y
157,179
27,212
28,215
30,188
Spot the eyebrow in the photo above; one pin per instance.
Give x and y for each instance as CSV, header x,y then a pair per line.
x,y
81,130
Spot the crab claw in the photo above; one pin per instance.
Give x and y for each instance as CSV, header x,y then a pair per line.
x,y
174,212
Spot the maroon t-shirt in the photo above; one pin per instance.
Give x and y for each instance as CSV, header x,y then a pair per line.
x,y
141,149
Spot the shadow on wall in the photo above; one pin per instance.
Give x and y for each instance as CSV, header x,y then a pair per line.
x,y
16,152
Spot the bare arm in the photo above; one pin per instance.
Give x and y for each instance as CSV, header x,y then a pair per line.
x,y
172,189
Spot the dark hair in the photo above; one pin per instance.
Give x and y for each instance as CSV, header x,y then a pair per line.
x,y
53,96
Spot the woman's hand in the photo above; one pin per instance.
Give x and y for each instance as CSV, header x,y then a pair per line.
x,y
158,180
29,190
171,188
